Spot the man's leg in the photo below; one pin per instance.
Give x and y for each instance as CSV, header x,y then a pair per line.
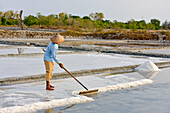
x,y
51,75
49,68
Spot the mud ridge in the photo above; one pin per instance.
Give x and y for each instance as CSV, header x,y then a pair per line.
x,y
41,77
78,48
38,54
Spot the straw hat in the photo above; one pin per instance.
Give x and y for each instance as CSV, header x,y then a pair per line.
x,y
57,38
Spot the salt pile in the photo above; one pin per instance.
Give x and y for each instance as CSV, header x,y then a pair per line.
x,y
45,105
148,74
147,66
121,86
125,85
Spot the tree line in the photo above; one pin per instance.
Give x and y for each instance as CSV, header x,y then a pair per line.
x,y
92,21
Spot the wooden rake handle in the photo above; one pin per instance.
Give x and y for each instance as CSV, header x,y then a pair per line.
x,y
74,78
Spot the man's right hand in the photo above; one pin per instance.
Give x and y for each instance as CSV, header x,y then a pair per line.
x,y
61,65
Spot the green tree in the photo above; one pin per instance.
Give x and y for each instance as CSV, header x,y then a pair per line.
x,y
150,26
39,16
107,24
11,14
96,16
16,15
99,16
91,15
6,14
70,21
88,24
141,24
156,22
31,20
86,17
3,20
63,16
132,24
10,22
116,24
43,20
73,16
51,19
78,22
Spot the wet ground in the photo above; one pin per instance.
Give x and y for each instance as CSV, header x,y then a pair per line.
x,y
160,51
33,65
5,50
30,93
21,94
3,45
153,98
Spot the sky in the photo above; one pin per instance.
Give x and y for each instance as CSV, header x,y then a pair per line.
x,y
121,10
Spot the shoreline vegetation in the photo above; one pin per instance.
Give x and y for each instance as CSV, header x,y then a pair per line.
x,y
92,26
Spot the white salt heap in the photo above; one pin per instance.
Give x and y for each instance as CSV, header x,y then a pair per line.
x,y
147,66
148,74
45,105
121,86
125,85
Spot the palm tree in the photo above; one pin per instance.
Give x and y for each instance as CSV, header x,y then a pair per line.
x,y
16,15
11,14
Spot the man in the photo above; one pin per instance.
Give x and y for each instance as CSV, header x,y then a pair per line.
x,y
50,56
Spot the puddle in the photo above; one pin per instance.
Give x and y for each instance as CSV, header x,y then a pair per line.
x,y
23,66
24,50
160,51
4,45
33,95
153,98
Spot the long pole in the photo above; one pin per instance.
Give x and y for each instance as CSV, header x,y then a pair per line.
x,y
75,78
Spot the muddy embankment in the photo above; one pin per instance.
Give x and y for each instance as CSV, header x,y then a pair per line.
x,y
114,34
133,35
24,34
102,72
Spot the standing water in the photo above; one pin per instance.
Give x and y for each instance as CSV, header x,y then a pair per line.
x,y
153,98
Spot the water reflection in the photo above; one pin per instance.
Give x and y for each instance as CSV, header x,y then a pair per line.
x,y
49,110
60,110
148,74
48,96
21,50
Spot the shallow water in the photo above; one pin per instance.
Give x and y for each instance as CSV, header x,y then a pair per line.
x,y
23,50
17,95
4,45
160,51
142,99
33,65
153,98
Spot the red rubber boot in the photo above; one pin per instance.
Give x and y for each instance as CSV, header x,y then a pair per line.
x,y
52,86
48,87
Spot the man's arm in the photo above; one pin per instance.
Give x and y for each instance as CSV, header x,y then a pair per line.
x,y
54,55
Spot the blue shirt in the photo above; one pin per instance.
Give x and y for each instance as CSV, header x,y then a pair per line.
x,y
51,52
